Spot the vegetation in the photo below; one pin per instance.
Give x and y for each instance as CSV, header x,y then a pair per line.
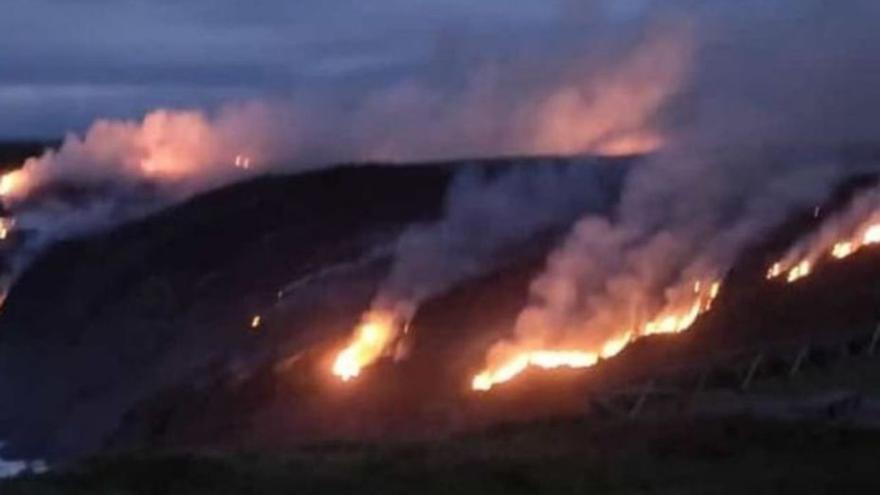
x,y
734,455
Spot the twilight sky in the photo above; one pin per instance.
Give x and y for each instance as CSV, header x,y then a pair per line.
x,y
65,63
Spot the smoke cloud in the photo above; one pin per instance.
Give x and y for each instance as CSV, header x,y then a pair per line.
x,y
688,212
696,79
678,229
119,170
484,216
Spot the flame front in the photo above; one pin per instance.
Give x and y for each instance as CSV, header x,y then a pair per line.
x,y
667,322
372,337
545,359
799,266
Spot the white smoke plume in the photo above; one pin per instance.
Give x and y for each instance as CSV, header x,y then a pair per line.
x,y
650,268
119,170
483,217
709,73
610,113
761,80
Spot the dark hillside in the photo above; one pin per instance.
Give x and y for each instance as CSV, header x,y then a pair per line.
x,y
148,320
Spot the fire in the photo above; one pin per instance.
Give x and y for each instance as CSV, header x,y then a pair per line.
x,y
801,266
545,359
242,161
256,321
668,322
871,235
12,183
6,225
842,250
801,270
371,338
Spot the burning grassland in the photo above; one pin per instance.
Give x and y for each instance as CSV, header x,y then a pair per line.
x,y
838,237
507,360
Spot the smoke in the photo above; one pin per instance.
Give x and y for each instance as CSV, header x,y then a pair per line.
x,y
838,237
691,77
484,218
652,266
609,110
760,82
120,170
606,106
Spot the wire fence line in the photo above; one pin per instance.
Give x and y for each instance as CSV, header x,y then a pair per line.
x,y
724,384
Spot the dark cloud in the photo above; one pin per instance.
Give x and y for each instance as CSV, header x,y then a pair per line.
x,y
777,65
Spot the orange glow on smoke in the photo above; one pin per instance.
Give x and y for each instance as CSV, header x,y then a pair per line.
x,y
667,322
612,112
373,335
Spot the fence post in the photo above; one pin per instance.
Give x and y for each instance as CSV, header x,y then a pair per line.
x,y
799,360
643,397
753,370
875,341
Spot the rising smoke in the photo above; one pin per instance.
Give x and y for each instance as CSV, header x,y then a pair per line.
x,y
689,211
119,170
483,218
678,229
697,78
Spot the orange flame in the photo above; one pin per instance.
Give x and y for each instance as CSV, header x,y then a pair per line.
x,y
545,359
12,183
242,161
801,270
375,333
667,322
802,267
6,225
842,250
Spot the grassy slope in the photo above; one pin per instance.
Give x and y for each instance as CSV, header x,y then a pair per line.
x,y
736,455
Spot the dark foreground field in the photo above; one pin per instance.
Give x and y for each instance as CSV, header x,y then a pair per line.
x,y
734,455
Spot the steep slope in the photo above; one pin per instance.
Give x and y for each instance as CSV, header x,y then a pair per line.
x,y
109,327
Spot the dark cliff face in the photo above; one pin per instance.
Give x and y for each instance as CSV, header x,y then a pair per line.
x,y
133,336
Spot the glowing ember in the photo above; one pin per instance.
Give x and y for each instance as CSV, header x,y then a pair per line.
x,y
256,321
667,323
242,161
371,338
799,271
872,235
713,293
6,225
842,249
